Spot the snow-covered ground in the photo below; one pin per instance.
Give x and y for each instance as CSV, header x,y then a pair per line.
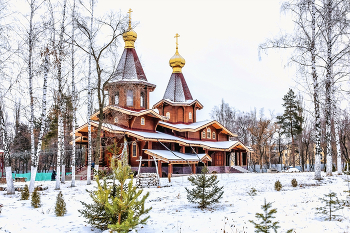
x,y
296,207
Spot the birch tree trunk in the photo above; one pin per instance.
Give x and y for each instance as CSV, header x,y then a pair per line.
x,y
35,162
30,74
316,97
7,156
60,98
63,152
88,174
328,84
73,100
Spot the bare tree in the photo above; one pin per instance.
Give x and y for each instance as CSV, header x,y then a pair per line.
x,y
105,70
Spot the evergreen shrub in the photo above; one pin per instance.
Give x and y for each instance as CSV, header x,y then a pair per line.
x,y
331,205
294,183
60,208
36,202
266,220
206,190
252,192
278,185
25,193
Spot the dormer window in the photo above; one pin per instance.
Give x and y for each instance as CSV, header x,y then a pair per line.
x,y
190,115
142,121
142,100
116,98
214,136
208,133
203,134
129,98
167,115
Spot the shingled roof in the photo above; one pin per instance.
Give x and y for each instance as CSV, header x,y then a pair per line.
x,y
177,89
129,67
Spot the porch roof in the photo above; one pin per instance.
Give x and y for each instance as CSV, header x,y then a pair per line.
x,y
177,157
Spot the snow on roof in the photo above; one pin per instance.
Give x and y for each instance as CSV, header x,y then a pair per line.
x,y
185,102
1,151
174,155
187,126
195,126
162,136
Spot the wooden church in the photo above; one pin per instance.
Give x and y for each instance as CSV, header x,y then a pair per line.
x,y
168,133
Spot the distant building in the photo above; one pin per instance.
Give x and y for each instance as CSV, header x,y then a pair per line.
x,y
171,136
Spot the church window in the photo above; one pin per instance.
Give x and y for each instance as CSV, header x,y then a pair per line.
x,y
134,151
167,115
116,98
208,133
142,121
190,115
116,120
203,134
214,136
142,100
129,98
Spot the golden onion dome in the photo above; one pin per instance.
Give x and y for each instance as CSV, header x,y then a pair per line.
x,y
177,61
130,36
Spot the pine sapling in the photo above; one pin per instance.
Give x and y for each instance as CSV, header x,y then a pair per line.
x,y
36,203
278,185
266,218
25,193
294,183
331,205
60,208
206,190
252,192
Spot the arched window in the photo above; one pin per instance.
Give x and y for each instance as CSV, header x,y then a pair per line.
x,y
203,134
208,133
190,115
129,98
134,151
142,100
214,135
116,98
167,115
142,121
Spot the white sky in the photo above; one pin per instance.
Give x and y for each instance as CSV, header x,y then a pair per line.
x,y
219,41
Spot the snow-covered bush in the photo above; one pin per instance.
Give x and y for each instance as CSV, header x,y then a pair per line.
x,y
25,193
252,191
60,208
278,185
294,183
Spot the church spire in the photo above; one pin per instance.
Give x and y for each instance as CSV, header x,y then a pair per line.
x,y
130,36
177,61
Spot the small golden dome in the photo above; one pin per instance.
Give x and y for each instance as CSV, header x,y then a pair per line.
x,y
177,61
130,36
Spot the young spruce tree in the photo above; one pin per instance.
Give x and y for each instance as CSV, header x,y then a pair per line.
x,y
332,204
266,224
36,203
60,208
121,204
206,190
25,193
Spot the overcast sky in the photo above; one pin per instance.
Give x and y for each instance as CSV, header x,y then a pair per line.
x,y
219,41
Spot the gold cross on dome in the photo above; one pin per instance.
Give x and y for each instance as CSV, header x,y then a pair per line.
x,y
177,36
130,17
